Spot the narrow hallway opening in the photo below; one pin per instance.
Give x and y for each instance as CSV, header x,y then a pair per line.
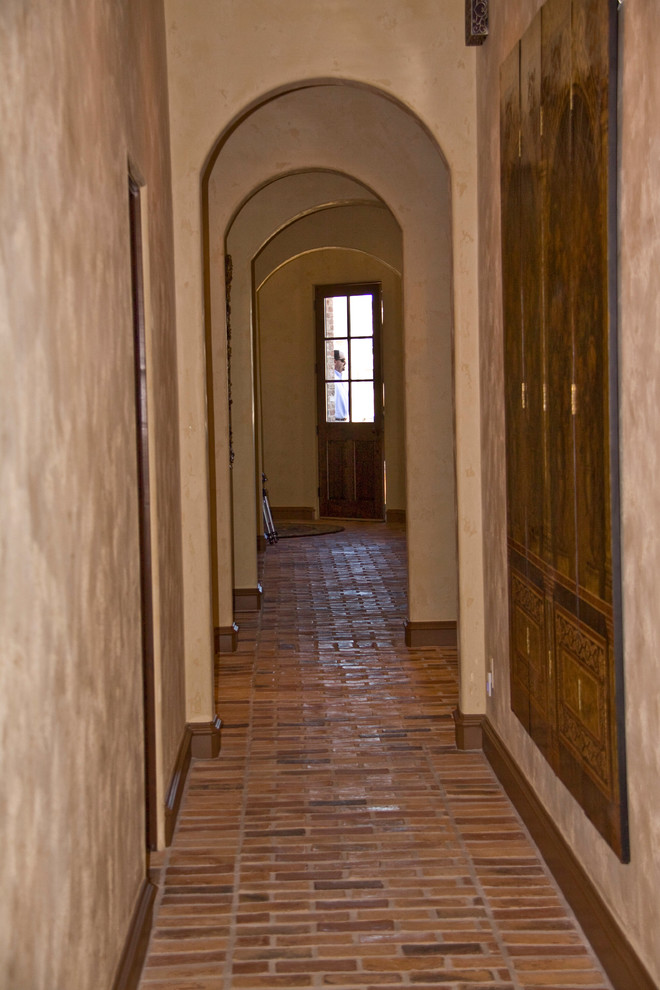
x,y
340,839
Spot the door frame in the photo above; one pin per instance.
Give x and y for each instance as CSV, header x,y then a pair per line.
x,y
350,437
144,515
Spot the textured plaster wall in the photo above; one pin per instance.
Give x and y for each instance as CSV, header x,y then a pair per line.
x,y
288,356
82,86
631,891
224,58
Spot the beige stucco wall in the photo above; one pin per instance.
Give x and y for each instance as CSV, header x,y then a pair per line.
x,y
223,59
631,891
82,86
288,357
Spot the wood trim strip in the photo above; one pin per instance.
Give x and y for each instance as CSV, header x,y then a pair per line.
x,y
431,634
395,515
177,785
248,599
469,730
225,638
616,955
137,940
205,742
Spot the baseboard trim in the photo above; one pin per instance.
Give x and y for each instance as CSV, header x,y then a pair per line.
x,y
177,785
225,638
301,512
468,729
137,940
395,515
431,634
248,599
616,955
205,739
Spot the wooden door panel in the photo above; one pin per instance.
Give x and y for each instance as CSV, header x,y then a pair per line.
x,y
531,294
511,265
560,360
526,636
341,471
590,295
588,760
557,221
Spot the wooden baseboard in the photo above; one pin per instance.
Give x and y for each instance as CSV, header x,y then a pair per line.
x,y
137,940
395,515
469,730
616,955
301,512
205,741
248,599
431,634
225,638
177,785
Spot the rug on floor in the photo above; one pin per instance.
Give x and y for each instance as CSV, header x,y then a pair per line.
x,y
288,530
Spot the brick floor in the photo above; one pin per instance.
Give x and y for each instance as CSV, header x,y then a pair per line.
x,y
341,840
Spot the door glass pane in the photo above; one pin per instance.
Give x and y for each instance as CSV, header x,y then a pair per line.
x,y
336,316
362,358
336,360
362,402
362,323
336,402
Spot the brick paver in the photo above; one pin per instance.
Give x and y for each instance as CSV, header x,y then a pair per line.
x,y
341,840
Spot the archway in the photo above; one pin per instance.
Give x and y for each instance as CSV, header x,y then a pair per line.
x,y
357,131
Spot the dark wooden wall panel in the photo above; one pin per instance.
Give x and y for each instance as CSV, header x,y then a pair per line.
x,y
556,110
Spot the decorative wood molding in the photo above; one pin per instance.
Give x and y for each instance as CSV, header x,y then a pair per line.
x,y
137,940
431,633
177,785
225,638
476,22
469,730
616,955
297,512
396,515
205,742
248,599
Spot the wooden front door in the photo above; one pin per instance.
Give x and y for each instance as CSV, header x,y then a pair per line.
x,y
350,401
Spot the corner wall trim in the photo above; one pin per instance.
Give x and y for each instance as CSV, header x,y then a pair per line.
x,y
177,785
431,634
225,638
205,741
616,955
248,599
469,730
137,940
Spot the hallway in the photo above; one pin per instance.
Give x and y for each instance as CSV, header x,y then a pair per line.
x,y
340,840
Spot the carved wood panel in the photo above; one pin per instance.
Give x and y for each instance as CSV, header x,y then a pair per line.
x,y
557,127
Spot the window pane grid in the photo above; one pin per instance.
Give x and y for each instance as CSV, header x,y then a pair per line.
x,y
349,358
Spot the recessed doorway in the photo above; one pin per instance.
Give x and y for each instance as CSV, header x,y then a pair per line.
x,y
350,400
